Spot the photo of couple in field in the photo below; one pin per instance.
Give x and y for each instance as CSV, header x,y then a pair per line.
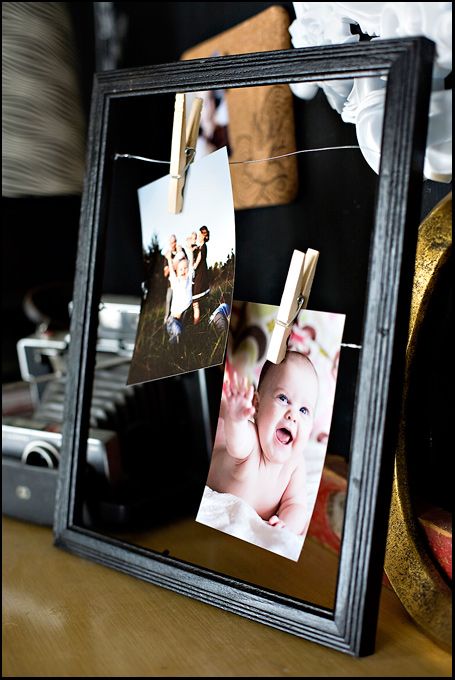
x,y
189,266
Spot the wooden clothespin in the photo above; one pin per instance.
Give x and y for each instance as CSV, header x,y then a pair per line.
x,y
183,148
295,297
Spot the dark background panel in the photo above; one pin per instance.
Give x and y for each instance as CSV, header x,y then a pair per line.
x,y
333,211
40,234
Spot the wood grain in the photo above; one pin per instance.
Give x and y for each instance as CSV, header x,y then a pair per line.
x,y
65,616
206,547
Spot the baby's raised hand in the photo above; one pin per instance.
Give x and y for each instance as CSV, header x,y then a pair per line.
x,y
238,402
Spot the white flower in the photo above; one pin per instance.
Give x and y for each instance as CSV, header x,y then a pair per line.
x,y
366,14
438,158
362,101
369,115
361,89
318,23
432,19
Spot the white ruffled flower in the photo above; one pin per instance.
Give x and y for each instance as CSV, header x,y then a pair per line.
x,y
362,88
432,19
366,14
438,158
362,101
318,23
369,115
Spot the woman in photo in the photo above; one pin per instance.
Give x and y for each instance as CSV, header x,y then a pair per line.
x,y
201,284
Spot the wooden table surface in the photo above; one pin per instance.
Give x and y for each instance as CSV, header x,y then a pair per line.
x,y
66,616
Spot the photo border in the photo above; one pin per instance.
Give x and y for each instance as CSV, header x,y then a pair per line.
x,y
351,626
260,316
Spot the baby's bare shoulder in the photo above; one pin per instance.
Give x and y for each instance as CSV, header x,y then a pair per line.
x,y
297,474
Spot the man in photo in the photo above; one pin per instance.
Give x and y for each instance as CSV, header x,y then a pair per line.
x,y
201,287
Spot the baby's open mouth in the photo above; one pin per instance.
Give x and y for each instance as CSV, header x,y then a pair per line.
x,y
284,436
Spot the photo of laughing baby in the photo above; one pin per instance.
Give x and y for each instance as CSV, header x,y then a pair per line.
x,y
272,433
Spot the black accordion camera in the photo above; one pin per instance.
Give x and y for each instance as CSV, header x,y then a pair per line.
x,y
131,428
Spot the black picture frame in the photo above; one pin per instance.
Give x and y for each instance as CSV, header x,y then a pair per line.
x,y
407,63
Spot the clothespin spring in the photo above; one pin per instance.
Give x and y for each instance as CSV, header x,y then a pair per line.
x,y
190,153
295,297
289,324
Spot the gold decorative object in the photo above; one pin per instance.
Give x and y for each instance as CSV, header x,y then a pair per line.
x,y
409,566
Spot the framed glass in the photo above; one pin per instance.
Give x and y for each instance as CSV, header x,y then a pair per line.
x,y
380,290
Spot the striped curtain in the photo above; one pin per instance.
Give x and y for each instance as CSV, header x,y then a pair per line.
x,y
43,129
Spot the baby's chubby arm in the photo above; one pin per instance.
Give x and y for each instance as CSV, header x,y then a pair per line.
x,y
292,511
240,433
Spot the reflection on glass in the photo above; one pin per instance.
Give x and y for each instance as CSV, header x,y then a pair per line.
x,y
157,461
149,471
